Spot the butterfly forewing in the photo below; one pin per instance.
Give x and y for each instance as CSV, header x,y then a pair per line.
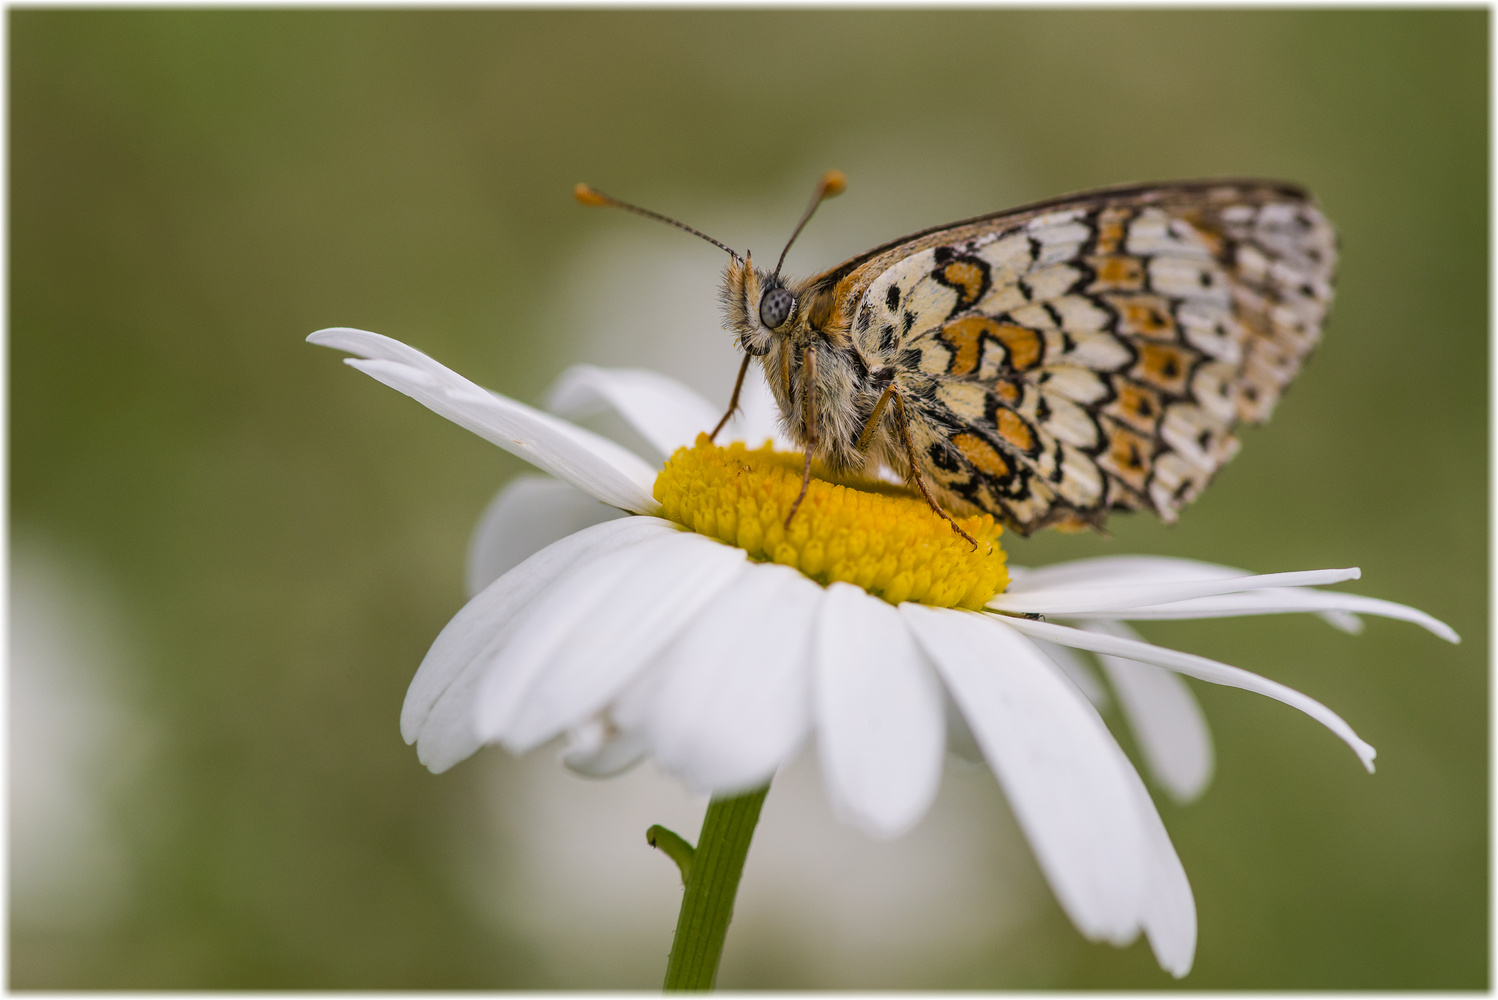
x,y
1096,352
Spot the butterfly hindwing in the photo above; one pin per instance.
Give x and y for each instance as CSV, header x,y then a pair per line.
x,y
1094,353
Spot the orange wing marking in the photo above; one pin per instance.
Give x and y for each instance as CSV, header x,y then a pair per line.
x,y
982,455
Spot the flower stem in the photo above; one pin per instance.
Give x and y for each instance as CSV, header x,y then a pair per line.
x,y
712,881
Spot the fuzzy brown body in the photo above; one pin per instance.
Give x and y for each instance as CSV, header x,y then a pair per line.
x,y
1057,362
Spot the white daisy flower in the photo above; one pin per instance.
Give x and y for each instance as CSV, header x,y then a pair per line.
x,y
704,634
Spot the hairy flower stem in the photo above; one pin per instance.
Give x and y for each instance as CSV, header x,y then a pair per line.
x,y
712,881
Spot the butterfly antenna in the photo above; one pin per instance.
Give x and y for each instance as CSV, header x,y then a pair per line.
x,y
832,184
592,196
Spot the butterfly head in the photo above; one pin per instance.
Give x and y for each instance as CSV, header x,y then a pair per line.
x,y
759,306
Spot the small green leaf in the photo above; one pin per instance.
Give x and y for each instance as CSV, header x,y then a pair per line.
x,y
673,846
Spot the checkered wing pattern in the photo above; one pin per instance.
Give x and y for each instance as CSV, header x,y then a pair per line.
x,y
1095,353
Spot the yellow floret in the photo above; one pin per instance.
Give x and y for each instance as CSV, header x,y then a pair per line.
x,y
894,546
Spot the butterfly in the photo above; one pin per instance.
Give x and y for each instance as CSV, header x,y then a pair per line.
x,y
1048,364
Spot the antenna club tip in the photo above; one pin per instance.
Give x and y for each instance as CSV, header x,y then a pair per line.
x,y
585,195
834,183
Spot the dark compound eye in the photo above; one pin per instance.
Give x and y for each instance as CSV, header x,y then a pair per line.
x,y
776,307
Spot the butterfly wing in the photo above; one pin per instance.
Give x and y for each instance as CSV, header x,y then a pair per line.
x,y
1093,353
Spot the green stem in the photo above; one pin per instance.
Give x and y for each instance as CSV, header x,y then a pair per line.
x,y
712,881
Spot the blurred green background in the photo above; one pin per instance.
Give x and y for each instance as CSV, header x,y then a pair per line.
x,y
228,552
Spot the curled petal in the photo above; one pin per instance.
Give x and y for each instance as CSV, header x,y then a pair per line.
x,y
1201,668
1060,768
530,513
593,464
879,714
1164,715
666,413
1328,603
1117,569
1121,595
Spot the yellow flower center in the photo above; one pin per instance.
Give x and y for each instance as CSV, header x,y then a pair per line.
x,y
891,544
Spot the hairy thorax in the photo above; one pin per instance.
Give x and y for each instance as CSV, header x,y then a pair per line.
x,y
814,352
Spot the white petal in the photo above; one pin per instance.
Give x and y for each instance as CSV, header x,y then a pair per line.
x,y
1077,599
527,515
1117,569
596,749
1201,668
437,712
960,739
1076,671
1169,912
878,707
1284,601
666,413
1349,623
593,464
1059,766
1164,715
759,418
591,631
730,700
1337,609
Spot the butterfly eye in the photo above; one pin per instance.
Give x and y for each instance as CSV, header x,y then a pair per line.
x,y
776,307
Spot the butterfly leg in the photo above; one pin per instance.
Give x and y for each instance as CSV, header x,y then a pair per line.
x,y
809,409
915,469
733,401
873,421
